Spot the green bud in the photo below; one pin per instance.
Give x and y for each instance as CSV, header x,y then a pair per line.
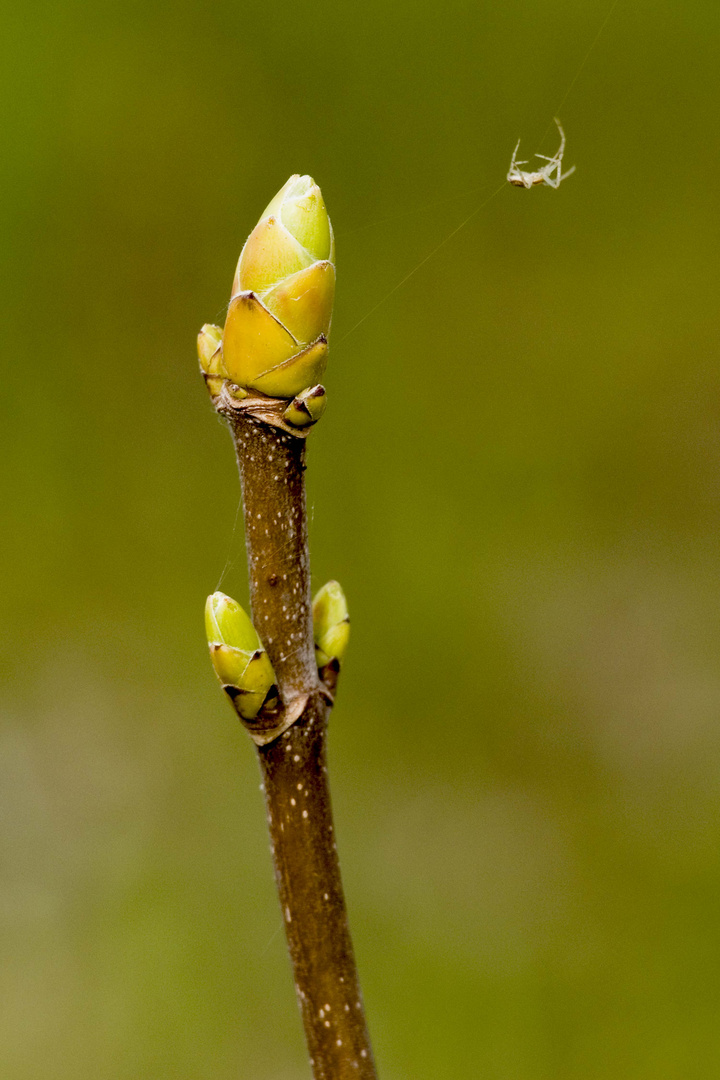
x,y
275,336
208,345
331,624
307,407
210,356
238,656
237,392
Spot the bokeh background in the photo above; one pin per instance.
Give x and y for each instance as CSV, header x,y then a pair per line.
x,y
516,482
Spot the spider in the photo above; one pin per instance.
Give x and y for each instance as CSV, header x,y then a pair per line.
x,y
544,175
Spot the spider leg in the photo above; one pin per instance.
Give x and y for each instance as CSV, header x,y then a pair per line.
x,y
545,175
515,173
555,181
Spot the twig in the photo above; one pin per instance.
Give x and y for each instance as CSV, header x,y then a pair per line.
x,y
271,463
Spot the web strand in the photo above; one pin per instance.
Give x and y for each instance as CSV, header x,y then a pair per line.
x,y
579,71
230,560
422,262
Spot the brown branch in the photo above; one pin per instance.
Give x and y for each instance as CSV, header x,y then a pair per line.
x,y
271,463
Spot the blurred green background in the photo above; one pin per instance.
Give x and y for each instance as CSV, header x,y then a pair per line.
x,y
517,483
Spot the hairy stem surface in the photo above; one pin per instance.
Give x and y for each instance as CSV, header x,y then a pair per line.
x,y
307,870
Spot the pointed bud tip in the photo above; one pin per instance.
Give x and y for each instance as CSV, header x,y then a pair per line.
x,y
227,623
332,596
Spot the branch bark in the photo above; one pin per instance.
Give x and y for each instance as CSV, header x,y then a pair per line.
x,y
292,751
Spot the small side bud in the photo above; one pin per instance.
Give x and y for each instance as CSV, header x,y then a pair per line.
x,y
307,407
240,661
208,343
237,392
210,356
331,624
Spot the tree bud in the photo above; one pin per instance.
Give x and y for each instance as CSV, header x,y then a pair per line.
x,y
275,336
331,624
238,656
